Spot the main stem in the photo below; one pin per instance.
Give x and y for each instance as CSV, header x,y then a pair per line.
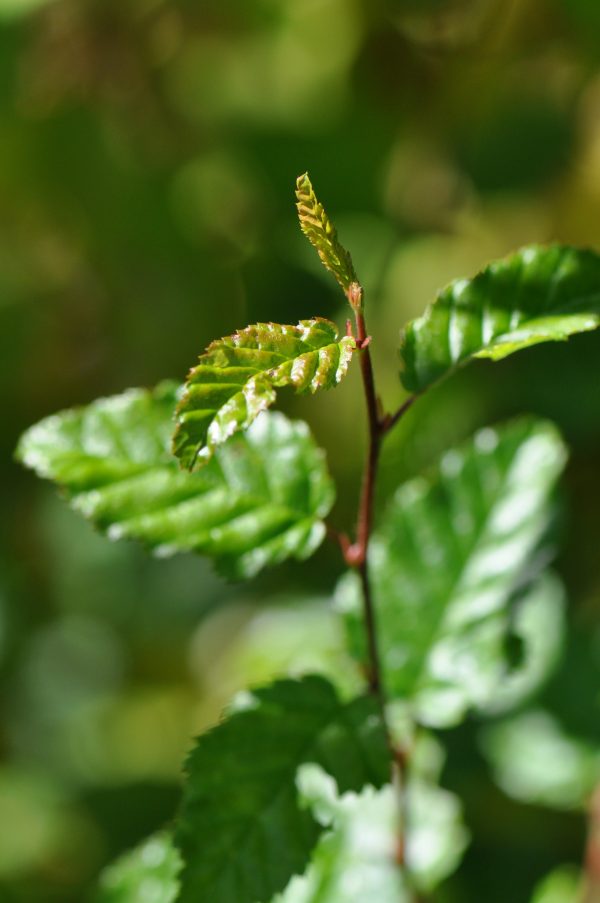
x,y
357,554
365,510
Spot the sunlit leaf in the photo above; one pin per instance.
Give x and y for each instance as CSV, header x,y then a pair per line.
x,y
260,501
322,234
536,295
452,565
243,832
236,379
535,760
147,874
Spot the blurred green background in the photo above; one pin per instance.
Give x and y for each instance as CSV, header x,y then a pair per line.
x,y
148,152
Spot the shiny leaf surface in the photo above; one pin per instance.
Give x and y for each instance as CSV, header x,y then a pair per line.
x,y
243,832
258,502
451,566
236,379
539,294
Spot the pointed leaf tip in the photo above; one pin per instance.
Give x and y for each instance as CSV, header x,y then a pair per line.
x,y
322,235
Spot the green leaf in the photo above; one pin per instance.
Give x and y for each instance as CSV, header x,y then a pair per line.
x,y
356,860
148,873
448,563
243,832
236,379
536,761
259,501
564,885
322,235
536,295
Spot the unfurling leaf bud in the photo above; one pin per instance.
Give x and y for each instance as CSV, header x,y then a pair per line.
x,y
322,235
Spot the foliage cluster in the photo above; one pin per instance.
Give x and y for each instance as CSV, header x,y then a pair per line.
x,y
328,788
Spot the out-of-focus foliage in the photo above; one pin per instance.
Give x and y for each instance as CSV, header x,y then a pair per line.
x,y
259,502
148,151
450,561
149,873
562,886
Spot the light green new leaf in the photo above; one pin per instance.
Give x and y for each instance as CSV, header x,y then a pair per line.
x,y
357,860
539,294
448,563
243,832
147,874
322,234
259,501
236,379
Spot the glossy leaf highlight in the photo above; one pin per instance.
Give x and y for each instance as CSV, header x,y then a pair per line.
x,y
539,294
259,501
243,830
454,567
236,379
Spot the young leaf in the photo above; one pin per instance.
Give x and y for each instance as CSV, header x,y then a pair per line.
x,y
322,235
243,832
539,294
236,379
148,873
259,501
446,562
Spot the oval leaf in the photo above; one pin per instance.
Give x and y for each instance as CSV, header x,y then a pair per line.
x,y
243,831
261,500
449,566
236,379
536,295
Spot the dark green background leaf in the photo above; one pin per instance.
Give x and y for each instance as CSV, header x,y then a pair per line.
x,y
260,501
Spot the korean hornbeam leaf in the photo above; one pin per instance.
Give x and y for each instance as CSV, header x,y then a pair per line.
x,y
259,501
147,873
455,568
243,830
539,294
236,379
322,235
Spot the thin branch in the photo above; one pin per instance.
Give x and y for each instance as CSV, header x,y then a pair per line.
x,y
356,554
